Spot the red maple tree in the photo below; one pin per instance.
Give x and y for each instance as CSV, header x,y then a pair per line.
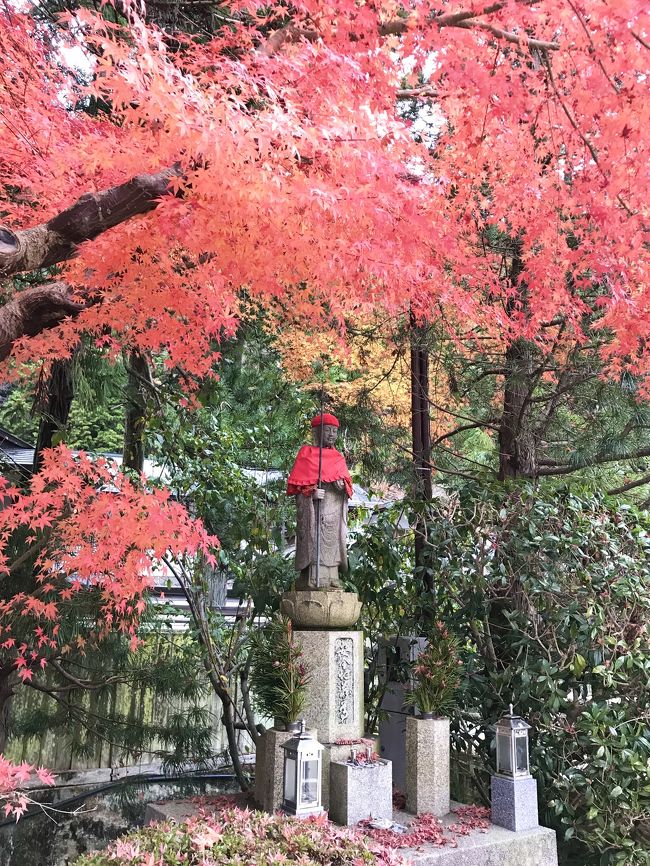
x,y
270,162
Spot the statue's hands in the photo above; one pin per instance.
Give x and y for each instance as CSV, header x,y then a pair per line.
x,y
319,493
339,484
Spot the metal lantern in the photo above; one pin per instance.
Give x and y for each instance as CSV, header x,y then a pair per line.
x,y
512,746
303,757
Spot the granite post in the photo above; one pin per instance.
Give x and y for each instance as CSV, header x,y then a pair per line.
x,y
269,768
427,766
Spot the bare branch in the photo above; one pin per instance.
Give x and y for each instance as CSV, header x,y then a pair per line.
x,y
423,92
598,460
489,422
638,482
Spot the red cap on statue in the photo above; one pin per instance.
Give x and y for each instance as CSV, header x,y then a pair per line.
x,y
327,419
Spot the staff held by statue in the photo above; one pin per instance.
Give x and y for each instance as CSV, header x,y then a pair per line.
x,y
319,493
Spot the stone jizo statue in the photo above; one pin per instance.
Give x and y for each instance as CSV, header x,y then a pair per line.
x,y
327,500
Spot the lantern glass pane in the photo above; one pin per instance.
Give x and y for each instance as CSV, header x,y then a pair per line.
x,y
521,754
290,779
504,754
309,788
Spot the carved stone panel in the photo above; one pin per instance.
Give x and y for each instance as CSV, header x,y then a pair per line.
x,y
344,666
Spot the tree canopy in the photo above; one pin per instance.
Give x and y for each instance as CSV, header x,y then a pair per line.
x,y
279,168
157,186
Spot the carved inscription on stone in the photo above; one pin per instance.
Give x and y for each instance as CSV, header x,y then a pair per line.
x,y
344,694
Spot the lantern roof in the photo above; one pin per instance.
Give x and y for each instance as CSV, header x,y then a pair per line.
x,y
302,741
512,722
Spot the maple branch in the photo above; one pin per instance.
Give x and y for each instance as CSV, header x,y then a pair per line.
x,y
423,92
574,123
640,39
91,215
29,552
468,20
34,310
290,34
509,35
592,47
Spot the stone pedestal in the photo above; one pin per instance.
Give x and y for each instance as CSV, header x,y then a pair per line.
x,y
321,608
427,766
514,803
360,792
334,703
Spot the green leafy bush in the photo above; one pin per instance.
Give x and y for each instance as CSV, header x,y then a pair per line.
x,y
235,836
550,594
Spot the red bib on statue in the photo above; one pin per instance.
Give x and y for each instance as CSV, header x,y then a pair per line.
x,y
303,478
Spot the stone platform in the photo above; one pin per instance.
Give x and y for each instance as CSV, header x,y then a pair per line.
x,y
492,847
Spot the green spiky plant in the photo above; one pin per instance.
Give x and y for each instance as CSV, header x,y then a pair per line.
x,y
436,673
279,675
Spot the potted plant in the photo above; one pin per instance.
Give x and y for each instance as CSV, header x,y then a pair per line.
x,y
279,674
435,676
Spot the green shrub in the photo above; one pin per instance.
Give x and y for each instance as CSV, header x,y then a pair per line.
x,y
279,674
550,594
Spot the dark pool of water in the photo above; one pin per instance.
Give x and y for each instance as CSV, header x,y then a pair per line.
x,y
57,840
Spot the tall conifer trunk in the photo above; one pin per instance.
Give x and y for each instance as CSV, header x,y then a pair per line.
x,y
517,448
6,694
136,406
421,442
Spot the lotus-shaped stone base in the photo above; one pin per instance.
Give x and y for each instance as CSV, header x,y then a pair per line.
x,y
321,608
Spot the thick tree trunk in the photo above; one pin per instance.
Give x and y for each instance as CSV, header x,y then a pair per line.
x,y
34,310
94,213
517,446
136,411
420,420
6,694
54,405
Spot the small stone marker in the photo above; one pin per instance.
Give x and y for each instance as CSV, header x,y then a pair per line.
x,y
269,768
360,791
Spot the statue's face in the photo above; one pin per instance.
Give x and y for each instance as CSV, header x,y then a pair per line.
x,y
330,432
